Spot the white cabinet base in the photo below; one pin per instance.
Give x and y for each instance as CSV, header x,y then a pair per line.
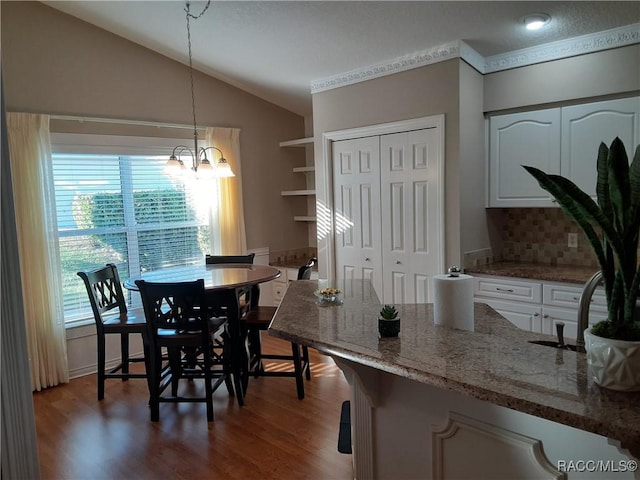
x,y
402,429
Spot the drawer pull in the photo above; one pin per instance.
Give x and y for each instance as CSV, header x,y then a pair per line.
x,y
509,290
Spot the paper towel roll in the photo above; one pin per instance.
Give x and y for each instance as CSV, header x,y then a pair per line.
x,y
453,301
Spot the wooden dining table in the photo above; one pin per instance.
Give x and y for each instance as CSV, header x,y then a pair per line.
x,y
224,284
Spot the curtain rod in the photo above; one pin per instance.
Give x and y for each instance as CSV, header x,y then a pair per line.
x,y
122,122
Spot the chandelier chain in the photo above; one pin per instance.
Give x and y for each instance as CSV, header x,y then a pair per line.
x,y
193,96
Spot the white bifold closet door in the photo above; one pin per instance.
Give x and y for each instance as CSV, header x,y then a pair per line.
x,y
356,187
387,200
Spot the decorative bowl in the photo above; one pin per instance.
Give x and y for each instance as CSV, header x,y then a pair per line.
x,y
329,296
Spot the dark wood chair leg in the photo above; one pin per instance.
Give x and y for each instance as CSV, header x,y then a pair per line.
x,y
226,366
124,354
297,365
176,367
101,363
305,362
154,384
208,388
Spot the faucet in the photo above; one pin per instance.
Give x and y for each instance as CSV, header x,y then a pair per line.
x,y
583,308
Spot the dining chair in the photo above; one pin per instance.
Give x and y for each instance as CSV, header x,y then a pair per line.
x,y
111,316
258,320
178,320
244,294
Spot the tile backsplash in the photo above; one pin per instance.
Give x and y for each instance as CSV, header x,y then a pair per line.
x,y
540,235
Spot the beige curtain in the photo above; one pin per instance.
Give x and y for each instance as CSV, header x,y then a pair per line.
x,y
233,239
34,197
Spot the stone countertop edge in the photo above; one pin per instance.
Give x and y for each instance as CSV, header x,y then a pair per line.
x,y
536,271
495,363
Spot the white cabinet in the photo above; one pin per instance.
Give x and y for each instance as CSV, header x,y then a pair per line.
x,y
280,284
538,306
530,138
309,192
584,127
561,140
522,315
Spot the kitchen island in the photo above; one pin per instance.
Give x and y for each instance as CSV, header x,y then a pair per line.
x,y
437,402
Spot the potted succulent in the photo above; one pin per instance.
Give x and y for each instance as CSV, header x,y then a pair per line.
x,y
612,227
388,322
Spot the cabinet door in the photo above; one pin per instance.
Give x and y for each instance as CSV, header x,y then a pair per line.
x,y
530,138
356,190
526,317
552,316
584,127
411,215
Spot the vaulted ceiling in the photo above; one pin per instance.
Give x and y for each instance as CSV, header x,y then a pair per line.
x,y
277,49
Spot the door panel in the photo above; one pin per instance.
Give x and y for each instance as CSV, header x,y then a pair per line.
x,y
411,222
356,181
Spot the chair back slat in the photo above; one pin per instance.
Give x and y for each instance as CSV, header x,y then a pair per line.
x,y
216,259
179,306
104,290
304,272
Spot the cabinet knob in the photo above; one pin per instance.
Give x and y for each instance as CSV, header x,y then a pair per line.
x,y
367,259
536,314
398,262
545,316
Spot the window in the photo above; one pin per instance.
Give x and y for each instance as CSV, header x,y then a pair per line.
x,y
115,205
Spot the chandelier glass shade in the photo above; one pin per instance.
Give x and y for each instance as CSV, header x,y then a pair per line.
x,y
201,167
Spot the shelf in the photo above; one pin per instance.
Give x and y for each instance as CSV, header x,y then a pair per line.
x,y
304,169
290,193
299,142
305,218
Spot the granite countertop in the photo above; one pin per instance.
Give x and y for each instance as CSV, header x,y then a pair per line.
x,y
495,363
536,271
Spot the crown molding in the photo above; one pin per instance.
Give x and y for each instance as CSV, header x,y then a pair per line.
x,y
400,64
595,42
608,39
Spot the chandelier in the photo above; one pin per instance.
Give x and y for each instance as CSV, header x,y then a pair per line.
x,y
201,167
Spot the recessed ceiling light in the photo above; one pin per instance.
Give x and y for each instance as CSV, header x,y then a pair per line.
x,y
535,21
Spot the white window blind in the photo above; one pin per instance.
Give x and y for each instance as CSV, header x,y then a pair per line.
x,y
121,208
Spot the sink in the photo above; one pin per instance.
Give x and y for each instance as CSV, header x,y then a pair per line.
x,y
549,343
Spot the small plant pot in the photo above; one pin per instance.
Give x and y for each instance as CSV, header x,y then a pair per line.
x,y
388,328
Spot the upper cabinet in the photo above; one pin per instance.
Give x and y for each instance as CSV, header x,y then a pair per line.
x,y
584,127
530,138
560,140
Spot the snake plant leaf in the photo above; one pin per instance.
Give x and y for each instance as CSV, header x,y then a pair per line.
x,y
619,188
602,184
634,182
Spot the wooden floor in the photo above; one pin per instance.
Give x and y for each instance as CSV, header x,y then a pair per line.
x,y
274,436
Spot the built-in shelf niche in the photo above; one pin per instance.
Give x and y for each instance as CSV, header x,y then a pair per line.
x,y
306,169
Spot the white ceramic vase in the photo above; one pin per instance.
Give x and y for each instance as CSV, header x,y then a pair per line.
x,y
613,364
